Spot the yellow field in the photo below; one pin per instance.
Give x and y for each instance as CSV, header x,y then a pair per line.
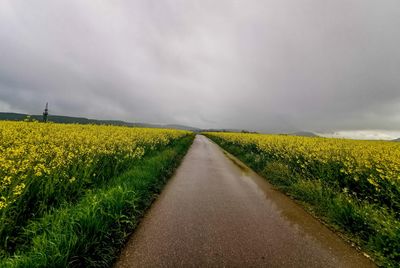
x,y
63,155
369,169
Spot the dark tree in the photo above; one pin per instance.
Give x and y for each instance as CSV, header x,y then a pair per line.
x,y
46,112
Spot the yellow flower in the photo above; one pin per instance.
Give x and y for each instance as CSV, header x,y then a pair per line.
x,y
3,202
18,189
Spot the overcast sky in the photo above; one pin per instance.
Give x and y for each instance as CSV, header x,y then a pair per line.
x,y
265,65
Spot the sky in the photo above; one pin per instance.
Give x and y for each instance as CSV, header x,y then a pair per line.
x,y
329,66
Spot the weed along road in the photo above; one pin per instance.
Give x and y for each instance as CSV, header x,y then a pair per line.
x,y
215,212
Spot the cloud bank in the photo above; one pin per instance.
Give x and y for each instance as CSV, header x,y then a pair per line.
x,y
273,66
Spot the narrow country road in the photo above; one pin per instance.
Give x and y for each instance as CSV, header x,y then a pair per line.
x,y
215,212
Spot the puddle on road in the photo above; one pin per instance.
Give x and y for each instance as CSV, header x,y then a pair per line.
x,y
282,203
279,202
238,163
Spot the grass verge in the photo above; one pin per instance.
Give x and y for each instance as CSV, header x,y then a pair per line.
x,y
91,232
374,228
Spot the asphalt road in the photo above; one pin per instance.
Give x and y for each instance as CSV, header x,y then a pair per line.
x,y
215,212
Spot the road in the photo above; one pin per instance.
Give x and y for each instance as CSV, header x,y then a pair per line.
x,y
216,212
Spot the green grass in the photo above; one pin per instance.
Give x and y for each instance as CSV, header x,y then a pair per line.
x,y
91,232
375,228
45,194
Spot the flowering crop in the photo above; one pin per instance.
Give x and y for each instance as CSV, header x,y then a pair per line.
x,y
42,165
369,170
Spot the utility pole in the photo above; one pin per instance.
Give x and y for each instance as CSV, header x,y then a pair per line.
x,y
46,113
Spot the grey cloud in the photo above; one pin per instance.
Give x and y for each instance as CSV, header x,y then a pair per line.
x,y
277,65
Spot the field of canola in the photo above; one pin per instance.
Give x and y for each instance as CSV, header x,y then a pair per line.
x,y
367,169
353,184
45,165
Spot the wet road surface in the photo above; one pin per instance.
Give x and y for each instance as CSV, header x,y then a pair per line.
x,y
215,212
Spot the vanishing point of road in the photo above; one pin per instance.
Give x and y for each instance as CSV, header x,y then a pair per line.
x,y
215,212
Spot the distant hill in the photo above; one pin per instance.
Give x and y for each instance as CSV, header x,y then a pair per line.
x,y
398,140
304,134
182,127
83,120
